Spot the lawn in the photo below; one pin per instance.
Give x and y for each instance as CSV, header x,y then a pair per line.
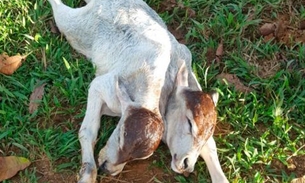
x,y
260,76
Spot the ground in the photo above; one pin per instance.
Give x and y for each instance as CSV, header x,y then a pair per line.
x,y
260,77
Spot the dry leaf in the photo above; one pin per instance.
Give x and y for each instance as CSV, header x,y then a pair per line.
x,y
219,51
298,180
267,29
280,29
232,79
54,28
210,55
8,65
10,165
35,98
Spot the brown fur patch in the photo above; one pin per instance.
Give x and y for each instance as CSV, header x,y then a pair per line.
x,y
143,133
204,112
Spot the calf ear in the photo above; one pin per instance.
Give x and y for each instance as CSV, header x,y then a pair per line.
x,y
122,95
193,83
182,76
215,96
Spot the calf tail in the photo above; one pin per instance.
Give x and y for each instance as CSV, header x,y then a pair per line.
x,y
55,3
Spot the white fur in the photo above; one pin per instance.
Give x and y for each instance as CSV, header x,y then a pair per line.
x,y
126,39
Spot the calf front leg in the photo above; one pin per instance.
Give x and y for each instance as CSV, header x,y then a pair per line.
x,y
209,154
87,136
99,89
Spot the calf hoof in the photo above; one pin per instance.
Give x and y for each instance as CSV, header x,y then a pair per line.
x,y
88,173
102,169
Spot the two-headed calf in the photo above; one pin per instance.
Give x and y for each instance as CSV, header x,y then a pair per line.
x,y
143,75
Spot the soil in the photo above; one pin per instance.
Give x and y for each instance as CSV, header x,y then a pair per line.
x,y
45,172
294,165
287,33
140,171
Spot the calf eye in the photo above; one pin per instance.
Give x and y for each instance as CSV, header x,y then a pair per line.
x,y
190,124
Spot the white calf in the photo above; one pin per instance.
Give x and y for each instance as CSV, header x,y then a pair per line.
x,y
137,62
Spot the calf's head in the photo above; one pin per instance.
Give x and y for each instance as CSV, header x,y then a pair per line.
x,y
136,136
190,121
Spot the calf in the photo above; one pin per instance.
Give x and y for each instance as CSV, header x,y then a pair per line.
x,y
141,71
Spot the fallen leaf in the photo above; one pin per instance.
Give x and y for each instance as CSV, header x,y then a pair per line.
x,y
210,55
298,180
8,65
267,29
269,37
280,29
10,165
232,79
291,167
54,28
35,98
219,51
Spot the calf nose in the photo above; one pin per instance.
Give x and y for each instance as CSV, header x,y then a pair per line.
x,y
103,168
185,163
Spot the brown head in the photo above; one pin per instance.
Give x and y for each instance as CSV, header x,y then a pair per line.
x,y
189,121
136,136
203,112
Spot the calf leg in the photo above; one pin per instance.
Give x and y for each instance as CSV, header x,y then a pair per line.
x,y
209,154
99,89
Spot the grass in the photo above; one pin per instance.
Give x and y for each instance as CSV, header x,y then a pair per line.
x,y
260,131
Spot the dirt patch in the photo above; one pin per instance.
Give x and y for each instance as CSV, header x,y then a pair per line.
x,y
45,172
297,165
285,31
179,33
233,80
294,165
147,171
267,67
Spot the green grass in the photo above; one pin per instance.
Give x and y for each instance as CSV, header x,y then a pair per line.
x,y
258,128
